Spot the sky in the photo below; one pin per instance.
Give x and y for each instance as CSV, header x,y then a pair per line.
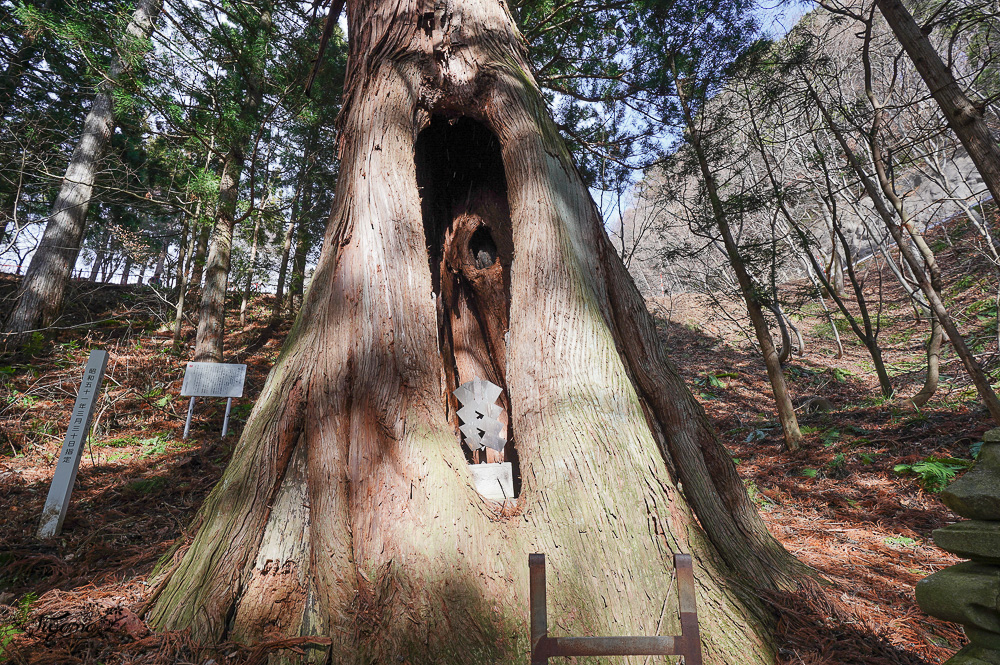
x,y
776,18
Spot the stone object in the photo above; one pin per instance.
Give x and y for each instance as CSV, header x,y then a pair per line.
x,y
969,593
975,539
64,478
480,415
493,481
976,495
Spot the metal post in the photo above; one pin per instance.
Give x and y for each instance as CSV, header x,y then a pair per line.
x,y
687,644
537,607
690,634
187,424
225,421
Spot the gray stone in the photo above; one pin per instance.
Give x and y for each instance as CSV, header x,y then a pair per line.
x,y
972,654
969,594
975,539
976,495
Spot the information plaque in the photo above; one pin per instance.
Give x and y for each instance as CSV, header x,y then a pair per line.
x,y
69,457
212,380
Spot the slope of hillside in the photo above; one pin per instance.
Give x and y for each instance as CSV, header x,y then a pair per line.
x,y
838,504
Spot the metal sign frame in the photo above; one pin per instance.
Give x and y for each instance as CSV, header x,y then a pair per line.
x,y
543,647
194,386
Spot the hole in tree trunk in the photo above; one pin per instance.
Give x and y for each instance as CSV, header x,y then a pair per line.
x,y
463,192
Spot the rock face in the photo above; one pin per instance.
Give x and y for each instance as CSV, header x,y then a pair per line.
x,y
969,593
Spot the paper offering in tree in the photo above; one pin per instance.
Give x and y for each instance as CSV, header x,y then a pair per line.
x,y
480,415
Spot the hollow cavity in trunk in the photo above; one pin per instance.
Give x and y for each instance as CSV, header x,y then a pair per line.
x,y
467,225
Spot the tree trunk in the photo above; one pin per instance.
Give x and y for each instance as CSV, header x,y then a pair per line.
x,y
772,362
298,278
286,250
198,258
126,269
286,244
964,117
182,249
250,268
182,278
212,314
161,259
41,294
99,255
935,303
933,365
348,509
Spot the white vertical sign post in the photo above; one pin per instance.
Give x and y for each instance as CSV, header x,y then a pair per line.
x,y
212,380
72,449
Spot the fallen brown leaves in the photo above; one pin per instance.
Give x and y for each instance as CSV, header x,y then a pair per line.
x,y
836,504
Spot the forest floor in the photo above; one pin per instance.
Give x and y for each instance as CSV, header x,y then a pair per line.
x,y
840,504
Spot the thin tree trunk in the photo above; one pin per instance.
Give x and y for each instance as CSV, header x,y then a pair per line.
x,y
295,287
182,246
102,247
126,269
250,269
182,282
286,250
782,399
161,259
933,365
212,314
349,495
198,258
964,117
297,282
43,289
933,297
286,244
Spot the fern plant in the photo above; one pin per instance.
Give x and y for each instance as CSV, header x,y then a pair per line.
x,y
935,472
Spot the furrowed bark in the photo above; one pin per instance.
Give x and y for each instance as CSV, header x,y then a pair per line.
x,y
212,313
349,496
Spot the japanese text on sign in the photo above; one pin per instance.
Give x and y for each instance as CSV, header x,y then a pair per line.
x,y
213,380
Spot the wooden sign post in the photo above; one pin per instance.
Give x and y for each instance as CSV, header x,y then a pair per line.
x,y
76,435
212,380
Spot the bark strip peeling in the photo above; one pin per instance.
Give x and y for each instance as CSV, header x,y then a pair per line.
x,y
395,556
